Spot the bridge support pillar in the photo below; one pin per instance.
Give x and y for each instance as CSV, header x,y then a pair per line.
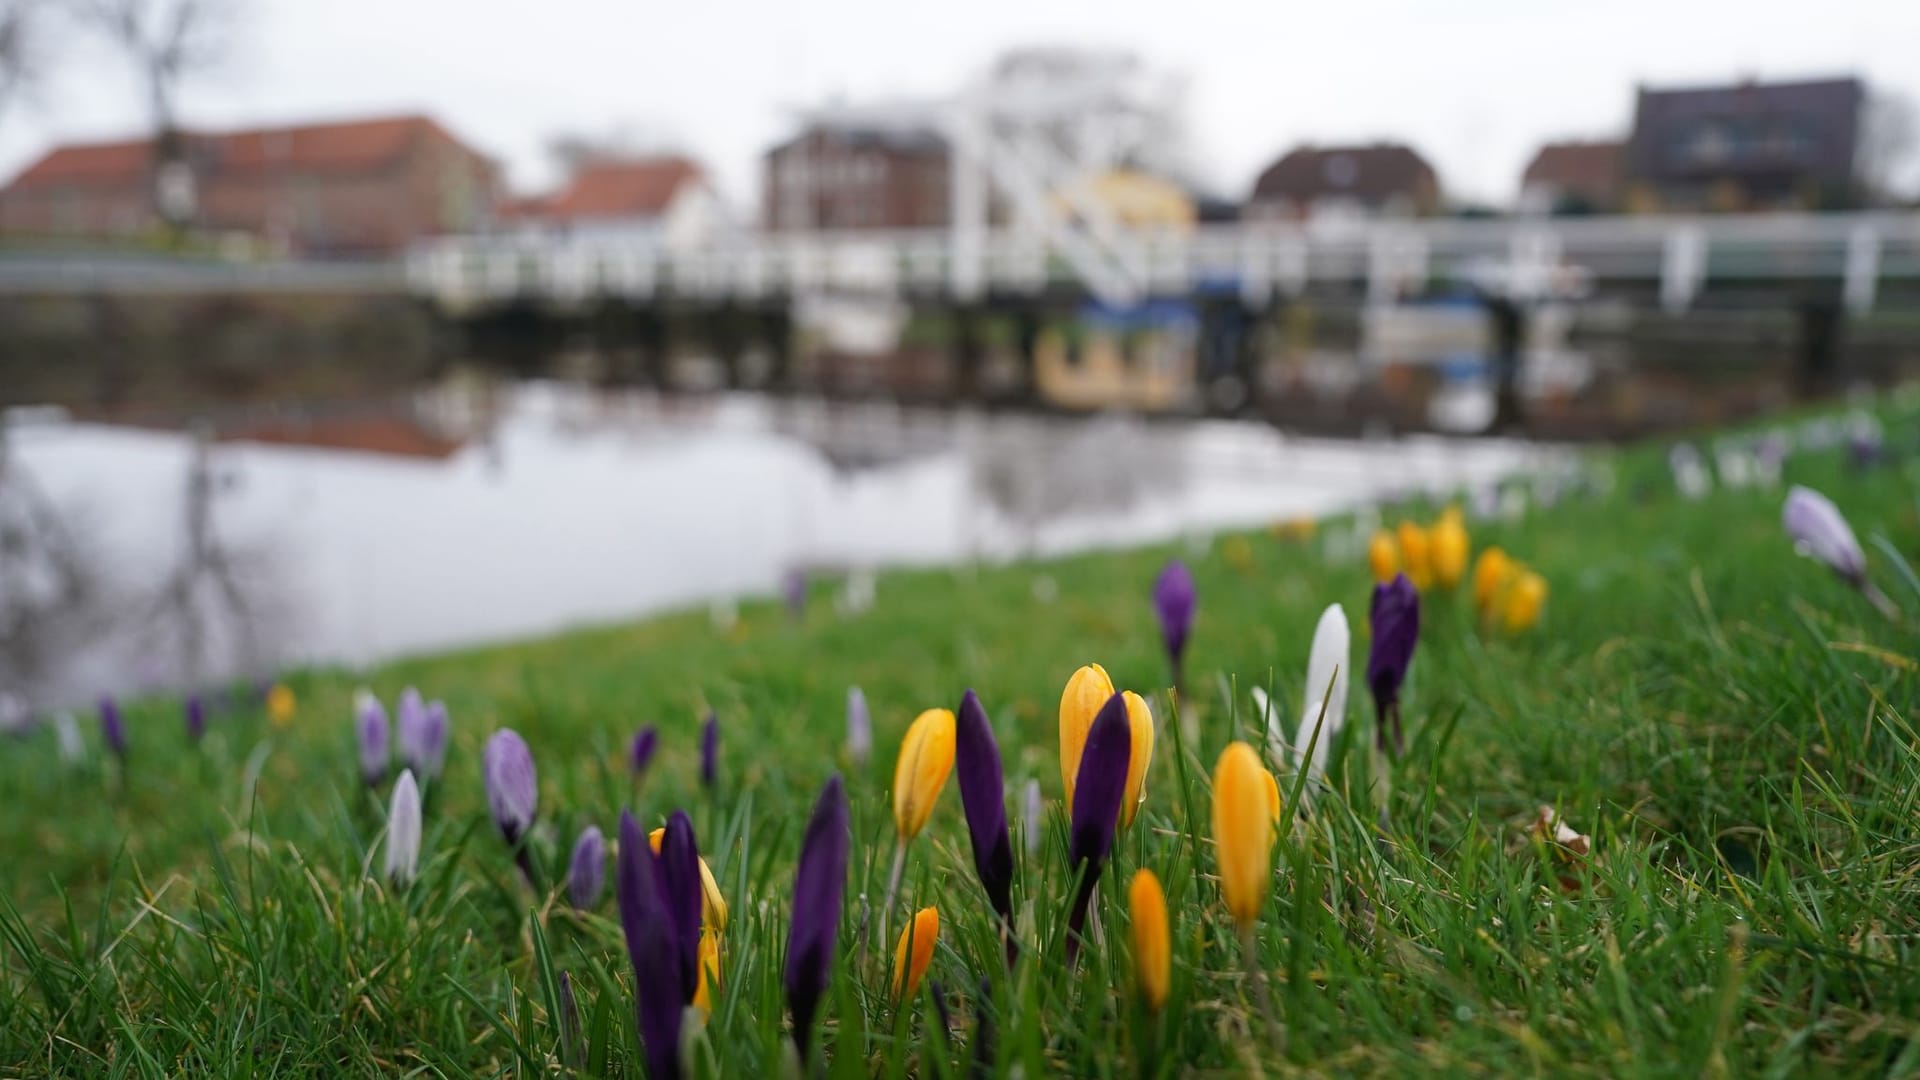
x,y
967,353
775,331
1506,355
1821,351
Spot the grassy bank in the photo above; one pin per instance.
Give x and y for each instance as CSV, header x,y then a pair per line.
x,y
1731,725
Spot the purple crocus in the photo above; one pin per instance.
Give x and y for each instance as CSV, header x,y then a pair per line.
x,y
710,750
652,947
1820,531
1098,789
1395,618
859,726
646,742
976,757
196,718
370,729
819,887
1173,601
680,887
587,869
421,731
113,728
432,750
513,788
793,585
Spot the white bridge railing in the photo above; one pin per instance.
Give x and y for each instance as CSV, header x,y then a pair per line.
x,y
1523,258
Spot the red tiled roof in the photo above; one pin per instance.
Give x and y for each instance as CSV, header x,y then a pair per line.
x,y
614,189
1578,166
1370,174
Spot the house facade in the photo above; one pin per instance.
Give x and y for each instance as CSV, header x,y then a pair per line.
x,y
1747,147
666,201
356,188
1375,180
1575,178
858,176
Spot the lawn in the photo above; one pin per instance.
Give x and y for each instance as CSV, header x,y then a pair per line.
x,y
1731,724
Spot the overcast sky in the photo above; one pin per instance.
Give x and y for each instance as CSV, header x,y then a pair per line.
x,y
1473,84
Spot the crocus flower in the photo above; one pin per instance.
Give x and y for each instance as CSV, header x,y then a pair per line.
x,y
370,728
703,994
403,831
1689,471
587,869
281,704
1140,728
1326,691
646,742
919,775
680,883
983,797
576,1054
1242,832
1395,616
794,586
1521,601
113,728
1416,555
67,735
713,906
196,718
1383,556
710,750
1490,573
1098,791
915,950
1086,693
409,729
1448,546
819,887
1152,949
653,947
1819,531
513,789
1173,601
1033,816
431,751
859,727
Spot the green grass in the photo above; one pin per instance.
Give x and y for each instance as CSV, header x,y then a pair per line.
x,y
1731,724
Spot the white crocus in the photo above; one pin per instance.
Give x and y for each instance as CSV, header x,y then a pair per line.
x,y
1325,695
403,830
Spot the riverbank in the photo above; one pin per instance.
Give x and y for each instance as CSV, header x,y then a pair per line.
x,y
1728,723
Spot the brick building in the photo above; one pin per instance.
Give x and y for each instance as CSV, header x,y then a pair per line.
x,y
366,187
868,176
666,200
1747,146
1376,180
1574,178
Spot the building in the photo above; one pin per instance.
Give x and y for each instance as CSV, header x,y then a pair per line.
x,y
1134,199
858,176
1574,178
1748,146
665,200
1379,180
356,188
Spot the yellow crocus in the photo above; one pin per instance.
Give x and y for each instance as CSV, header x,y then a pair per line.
x,y
1238,553
1383,556
920,772
1490,572
1242,832
1140,719
281,704
1449,546
1152,949
1273,795
1521,602
920,935
1415,555
1080,702
713,906
709,987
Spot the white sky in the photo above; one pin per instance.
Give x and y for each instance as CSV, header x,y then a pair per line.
x,y
1475,85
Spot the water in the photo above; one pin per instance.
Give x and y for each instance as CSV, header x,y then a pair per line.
x,y
496,513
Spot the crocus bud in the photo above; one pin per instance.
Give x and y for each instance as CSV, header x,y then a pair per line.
x,y
1140,726
587,869
652,948
794,586
196,718
859,727
1416,555
1489,577
819,887
432,750
1098,792
1152,947
680,884
281,704
1273,795
113,728
915,950
66,734
513,789
709,986
983,797
1326,691
1819,531
1395,616
370,729
1087,691
713,906
403,831
1383,556
710,750
1521,601
1173,601
1448,547
646,742
409,730
1242,832
920,772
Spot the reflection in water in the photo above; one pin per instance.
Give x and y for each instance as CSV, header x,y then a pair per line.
x,y
517,511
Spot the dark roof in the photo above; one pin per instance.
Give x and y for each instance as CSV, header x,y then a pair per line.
x,y
897,138
1369,174
639,187
1805,128
1586,168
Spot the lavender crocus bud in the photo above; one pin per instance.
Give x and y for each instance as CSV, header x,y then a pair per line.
x,y
794,587
196,718
409,729
859,727
587,869
1098,790
513,789
983,797
113,728
370,729
1173,601
646,742
819,888
1395,615
432,750
1819,531
710,751
403,831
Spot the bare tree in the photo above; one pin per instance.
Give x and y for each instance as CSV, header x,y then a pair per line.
x,y
1889,139
165,41
22,48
